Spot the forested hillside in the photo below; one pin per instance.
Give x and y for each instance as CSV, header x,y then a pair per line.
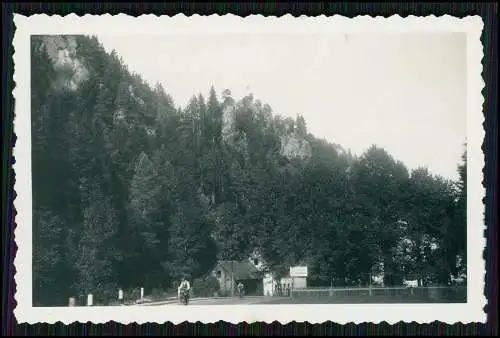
x,y
130,190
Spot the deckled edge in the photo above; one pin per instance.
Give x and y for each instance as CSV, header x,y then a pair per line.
x,y
82,21
363,19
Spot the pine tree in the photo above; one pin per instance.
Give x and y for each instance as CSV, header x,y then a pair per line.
x,y
46,255
144,197
301,126
95,253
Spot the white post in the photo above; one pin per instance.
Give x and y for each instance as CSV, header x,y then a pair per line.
x,y
142,293
72,301
90,299
120,296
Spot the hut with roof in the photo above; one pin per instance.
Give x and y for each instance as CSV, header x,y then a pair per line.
x,y
230,273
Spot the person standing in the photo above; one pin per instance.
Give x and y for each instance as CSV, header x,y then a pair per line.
x,y
241,289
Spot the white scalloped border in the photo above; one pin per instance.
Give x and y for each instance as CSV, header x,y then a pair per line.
x,y
122,24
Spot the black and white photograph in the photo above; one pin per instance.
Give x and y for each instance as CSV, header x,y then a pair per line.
x,y
172,168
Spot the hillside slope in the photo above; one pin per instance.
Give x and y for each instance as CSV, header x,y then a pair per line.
x,y
130,190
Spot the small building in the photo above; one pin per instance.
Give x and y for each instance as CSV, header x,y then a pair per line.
x,y
298,277
299,282
230,273
282,286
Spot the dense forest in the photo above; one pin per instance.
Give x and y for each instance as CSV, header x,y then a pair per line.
x,y
131,190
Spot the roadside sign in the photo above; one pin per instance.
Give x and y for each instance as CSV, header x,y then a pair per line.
x,y
298,271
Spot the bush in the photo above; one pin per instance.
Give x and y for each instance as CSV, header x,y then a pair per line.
x,y
205,287
103,295
130,295
157,294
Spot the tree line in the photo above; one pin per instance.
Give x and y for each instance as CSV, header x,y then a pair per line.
x,y
131,190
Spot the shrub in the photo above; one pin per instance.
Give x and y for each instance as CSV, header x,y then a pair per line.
x,y
205,287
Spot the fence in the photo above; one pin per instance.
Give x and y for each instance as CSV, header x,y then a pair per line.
x,y
387,294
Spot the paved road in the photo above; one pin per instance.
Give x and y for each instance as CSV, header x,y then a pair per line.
x,y
217,301
229,301
298,300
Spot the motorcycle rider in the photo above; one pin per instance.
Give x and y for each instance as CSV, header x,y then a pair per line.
x,y
183,286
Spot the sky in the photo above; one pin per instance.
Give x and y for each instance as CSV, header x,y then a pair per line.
x,y
405,93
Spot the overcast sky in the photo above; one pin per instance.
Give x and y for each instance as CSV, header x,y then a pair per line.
x,y
405,93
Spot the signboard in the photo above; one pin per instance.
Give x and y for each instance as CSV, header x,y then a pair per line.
x,y
298,271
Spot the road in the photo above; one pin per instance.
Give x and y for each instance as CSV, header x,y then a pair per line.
x,y
229,301
302,300
217,301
